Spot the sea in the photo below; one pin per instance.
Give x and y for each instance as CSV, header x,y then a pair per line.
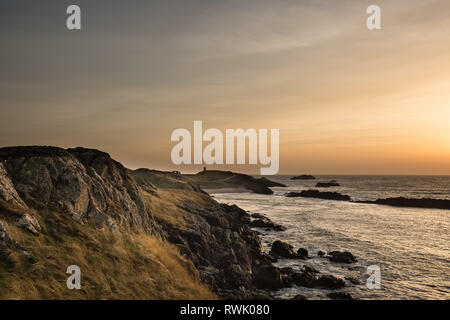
x,y
409,246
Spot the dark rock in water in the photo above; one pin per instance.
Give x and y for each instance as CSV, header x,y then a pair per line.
x,y
353,280
341,257
266,223
310,279
287,270
258,216
310,269
299,297
321,254
319,195
332,183
340,296
303,177
412,203
304,279
270,278
329,282
283,250
303,253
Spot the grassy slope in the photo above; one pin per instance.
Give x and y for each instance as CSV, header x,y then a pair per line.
x,y
129,266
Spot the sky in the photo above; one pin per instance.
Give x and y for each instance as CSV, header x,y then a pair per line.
x,y
347,100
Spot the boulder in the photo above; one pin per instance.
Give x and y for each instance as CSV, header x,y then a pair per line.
x,y
303,177
329,282
302,253
332,183
266,223
319,195
257,216
341,257
269,277
283,250
310,279
310,269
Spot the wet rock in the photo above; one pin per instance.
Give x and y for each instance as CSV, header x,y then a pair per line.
x,y
329,282
269,277
412,203
353,280
283,250
304,279
266,223
341,257
302,253
310,279
29,223
340,296
258,216
332,183
319,195
310,269
303,177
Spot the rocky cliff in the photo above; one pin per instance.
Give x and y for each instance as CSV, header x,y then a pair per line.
x,y
53,199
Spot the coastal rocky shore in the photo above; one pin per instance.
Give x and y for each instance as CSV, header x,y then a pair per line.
x,y
79,206
216,179
395,202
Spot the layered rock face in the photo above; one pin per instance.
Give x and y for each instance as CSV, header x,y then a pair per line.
x,y
83,183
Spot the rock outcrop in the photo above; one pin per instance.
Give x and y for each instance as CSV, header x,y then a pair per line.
x,y
267,224
29,223
311,279
216,179
332,183
83,183
303,177
319,195
281,249
341,257
412,203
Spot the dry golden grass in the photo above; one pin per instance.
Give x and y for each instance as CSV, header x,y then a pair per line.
x,y
113,267
163,208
